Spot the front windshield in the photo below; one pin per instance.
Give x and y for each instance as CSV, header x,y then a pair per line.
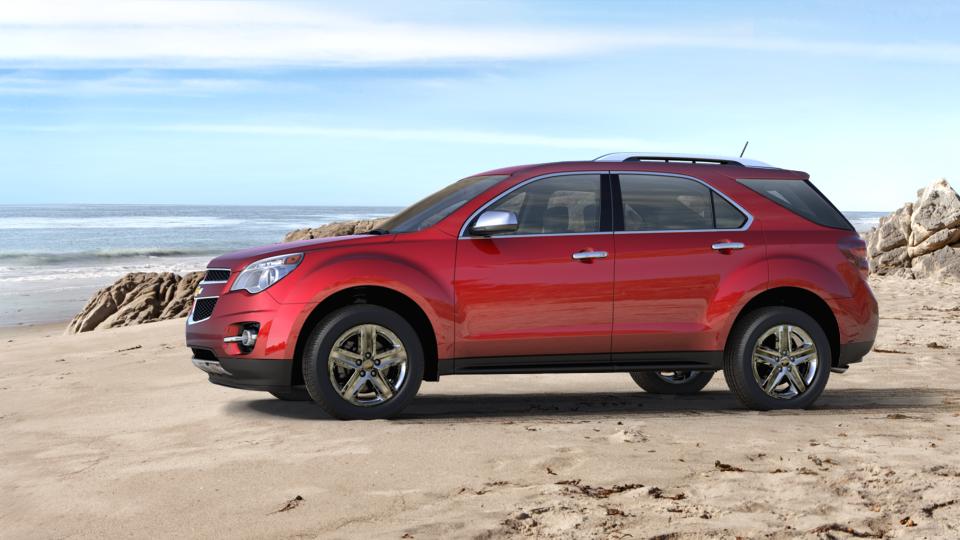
x,y
441,204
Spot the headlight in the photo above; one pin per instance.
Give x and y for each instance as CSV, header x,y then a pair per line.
x,y
261,274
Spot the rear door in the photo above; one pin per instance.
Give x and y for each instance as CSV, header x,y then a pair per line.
x,y
680,246
524,294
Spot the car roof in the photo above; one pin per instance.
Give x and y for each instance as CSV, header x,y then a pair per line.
x,y
688,164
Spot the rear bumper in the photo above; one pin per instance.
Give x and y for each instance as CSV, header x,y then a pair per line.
x,y
248,374
858,318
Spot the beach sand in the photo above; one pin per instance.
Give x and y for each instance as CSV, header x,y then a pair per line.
x,y
114,433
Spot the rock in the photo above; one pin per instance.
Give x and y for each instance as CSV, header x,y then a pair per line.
x,y
889,261
937,208
904,273
935,241
894,230
181,298
339,228
137,298
942,264
921,239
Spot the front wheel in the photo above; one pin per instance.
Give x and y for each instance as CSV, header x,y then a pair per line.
x,y
777,358
672,382
363,362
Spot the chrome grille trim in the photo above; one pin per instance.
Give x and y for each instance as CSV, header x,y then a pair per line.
x,y
216,275
206,304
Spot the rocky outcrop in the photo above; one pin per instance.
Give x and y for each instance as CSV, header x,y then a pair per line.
x,y
921,239
339,228
138,298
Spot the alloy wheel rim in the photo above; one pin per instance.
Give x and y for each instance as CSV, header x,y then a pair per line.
x,y
367,365
785,361
676,377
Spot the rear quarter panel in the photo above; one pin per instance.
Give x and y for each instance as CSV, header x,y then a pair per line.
x,y
805,255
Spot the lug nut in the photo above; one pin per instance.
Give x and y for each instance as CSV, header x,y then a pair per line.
x,y
376,362
362,373
359,362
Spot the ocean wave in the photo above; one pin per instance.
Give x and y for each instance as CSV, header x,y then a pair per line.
x,y
49,258
117,222
67,276
180,222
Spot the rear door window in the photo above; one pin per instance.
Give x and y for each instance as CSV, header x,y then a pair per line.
x,y
725,214
669,203
801,198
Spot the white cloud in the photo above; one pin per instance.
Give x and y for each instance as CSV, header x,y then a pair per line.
x,y
604,144
133,82
238,34
154,34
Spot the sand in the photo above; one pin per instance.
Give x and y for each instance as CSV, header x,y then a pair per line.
x,y
114,433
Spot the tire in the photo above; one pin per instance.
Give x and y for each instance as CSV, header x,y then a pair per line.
x,y
294,394
747,381
678,382
348,329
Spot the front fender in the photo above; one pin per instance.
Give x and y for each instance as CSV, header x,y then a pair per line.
x,y
426,279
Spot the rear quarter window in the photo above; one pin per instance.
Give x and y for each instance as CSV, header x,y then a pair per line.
x,y
801,198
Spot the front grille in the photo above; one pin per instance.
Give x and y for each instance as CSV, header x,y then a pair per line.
x,y
203,309
216,274
204,354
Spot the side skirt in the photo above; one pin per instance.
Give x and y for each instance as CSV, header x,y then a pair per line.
x,y
586,363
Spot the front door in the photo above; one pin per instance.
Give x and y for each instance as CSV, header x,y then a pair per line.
x,y
546,289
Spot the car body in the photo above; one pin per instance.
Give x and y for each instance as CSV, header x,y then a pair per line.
x,y
613,267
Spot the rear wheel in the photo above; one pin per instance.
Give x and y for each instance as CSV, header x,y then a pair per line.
x,y
777,358
672,382
363,362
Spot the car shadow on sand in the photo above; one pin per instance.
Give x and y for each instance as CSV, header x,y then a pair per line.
x,y
445,407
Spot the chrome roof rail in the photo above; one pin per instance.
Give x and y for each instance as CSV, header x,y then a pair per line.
x,y
683,158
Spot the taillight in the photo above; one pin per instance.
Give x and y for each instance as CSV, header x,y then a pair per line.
x,y
855,250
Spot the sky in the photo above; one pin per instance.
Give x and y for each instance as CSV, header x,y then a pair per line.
x,y
381,103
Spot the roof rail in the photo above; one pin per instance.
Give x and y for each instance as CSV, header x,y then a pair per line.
x,y
683,158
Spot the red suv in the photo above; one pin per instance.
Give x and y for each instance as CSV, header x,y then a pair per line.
x,y
667,267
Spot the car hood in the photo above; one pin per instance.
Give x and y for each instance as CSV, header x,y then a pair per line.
x,y
239,259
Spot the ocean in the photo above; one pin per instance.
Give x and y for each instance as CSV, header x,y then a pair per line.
x,y
54,257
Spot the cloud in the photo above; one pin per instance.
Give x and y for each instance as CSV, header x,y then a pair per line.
x,y
246,34
133,82
380,134
225,34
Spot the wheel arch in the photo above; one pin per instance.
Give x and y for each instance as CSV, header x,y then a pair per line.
x,y
374,295
802,299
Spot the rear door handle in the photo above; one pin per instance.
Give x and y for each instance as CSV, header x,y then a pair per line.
x,y
582,255
726,246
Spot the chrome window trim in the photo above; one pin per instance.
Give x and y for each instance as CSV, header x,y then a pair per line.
x,y
230,272
463,229
746,225
190,319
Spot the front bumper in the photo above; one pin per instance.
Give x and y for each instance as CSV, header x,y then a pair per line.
x,y
851,353
247,373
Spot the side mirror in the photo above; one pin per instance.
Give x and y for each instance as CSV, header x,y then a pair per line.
x,y
494,222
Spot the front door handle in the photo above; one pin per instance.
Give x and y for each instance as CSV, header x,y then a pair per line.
x,y
727,246
584,255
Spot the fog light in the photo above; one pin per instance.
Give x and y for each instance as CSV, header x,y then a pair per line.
x,y
247,338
